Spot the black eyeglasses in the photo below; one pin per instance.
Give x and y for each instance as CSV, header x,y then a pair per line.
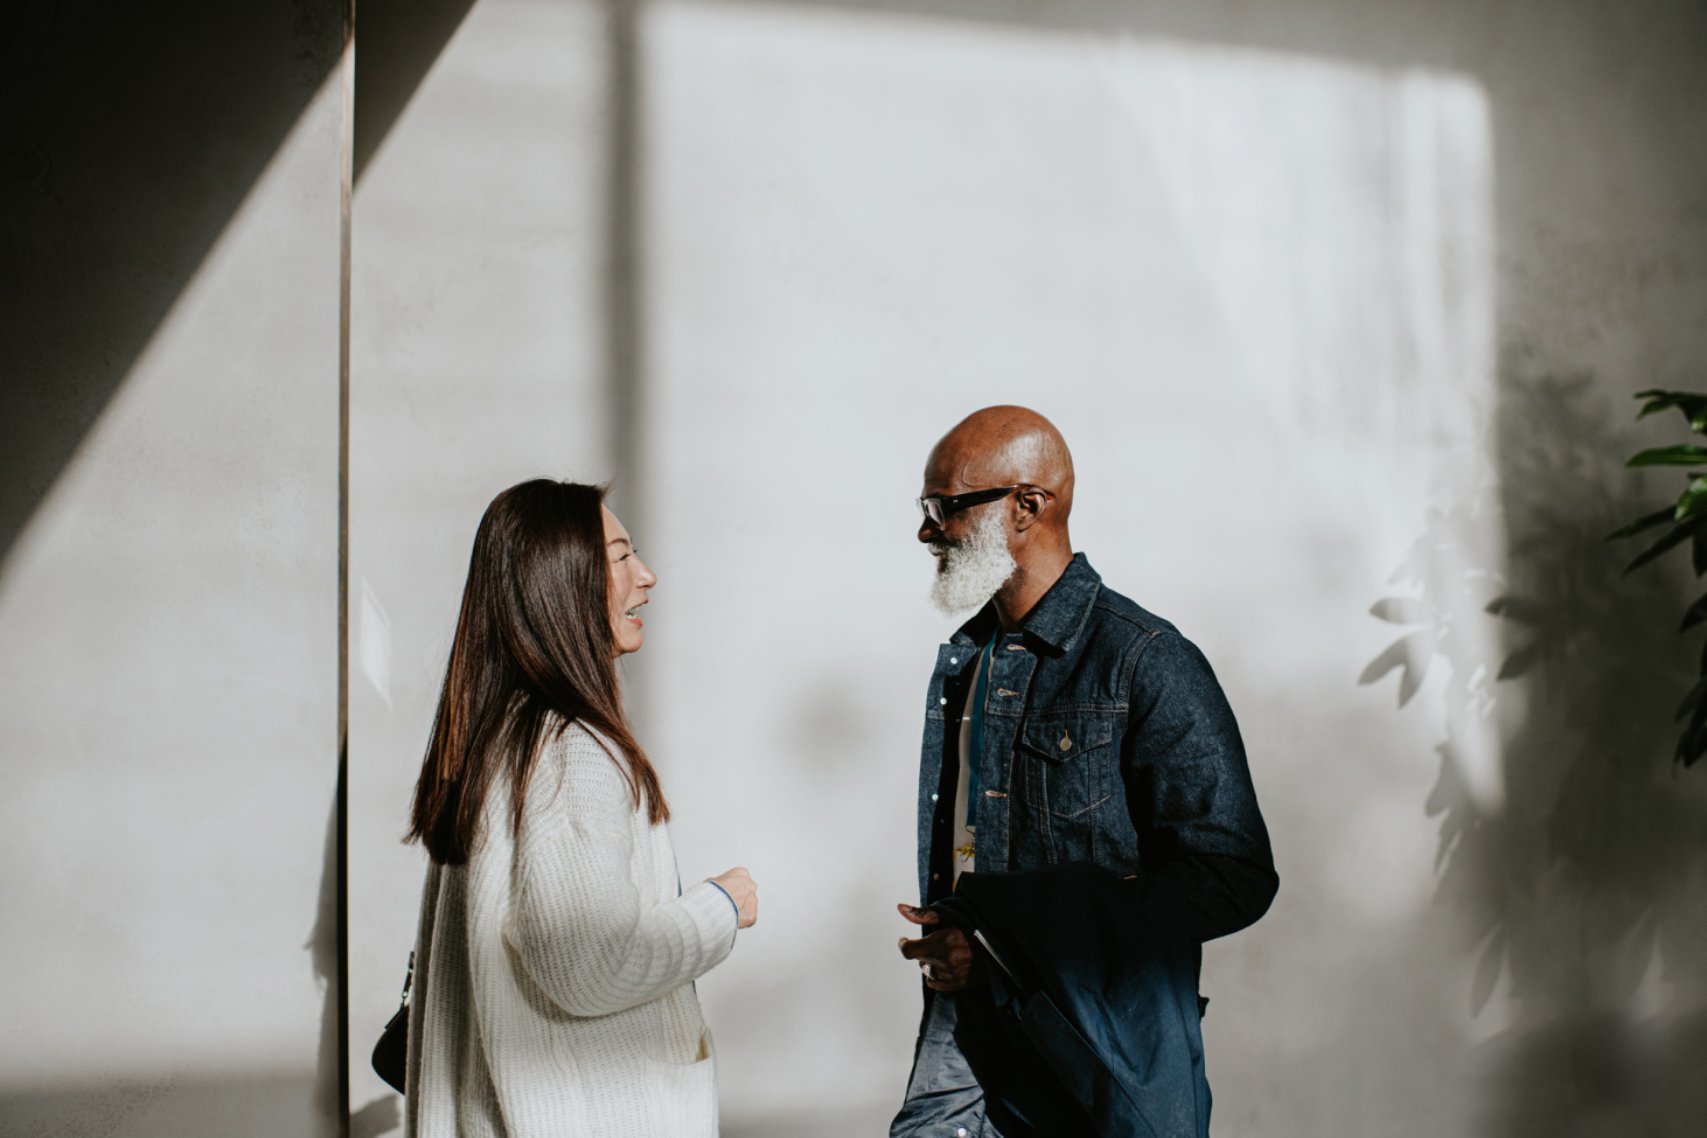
x,y
938,509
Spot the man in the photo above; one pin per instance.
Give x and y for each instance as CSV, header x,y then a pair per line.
x,y
1065,726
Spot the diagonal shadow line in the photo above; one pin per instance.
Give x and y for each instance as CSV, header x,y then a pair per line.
x,y
397,43
130,135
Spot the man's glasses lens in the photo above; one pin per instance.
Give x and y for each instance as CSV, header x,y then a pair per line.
x,y
938,509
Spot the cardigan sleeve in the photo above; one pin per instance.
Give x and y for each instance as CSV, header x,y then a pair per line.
x,y
577,922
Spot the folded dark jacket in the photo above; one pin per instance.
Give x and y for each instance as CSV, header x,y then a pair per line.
x,y
1094,978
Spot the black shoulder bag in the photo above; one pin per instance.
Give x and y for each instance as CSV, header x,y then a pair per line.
x,y
391,1053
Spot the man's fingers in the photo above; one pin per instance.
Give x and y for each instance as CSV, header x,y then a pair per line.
x,y
936,946
918,949
918,916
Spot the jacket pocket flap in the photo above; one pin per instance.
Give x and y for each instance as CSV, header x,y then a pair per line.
x,y
1062,740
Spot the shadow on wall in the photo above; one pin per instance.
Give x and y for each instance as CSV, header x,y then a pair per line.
x,y
397,42
129,137
379,1116
325,952
1581,895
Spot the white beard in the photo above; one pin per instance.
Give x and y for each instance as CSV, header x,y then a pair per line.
x,y
969,572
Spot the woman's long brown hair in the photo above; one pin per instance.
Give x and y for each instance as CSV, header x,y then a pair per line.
x,y
533,641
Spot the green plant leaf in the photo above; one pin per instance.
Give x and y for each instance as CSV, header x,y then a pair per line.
x,y
1683,454
1679,534
1693,501
1692,404
1646,521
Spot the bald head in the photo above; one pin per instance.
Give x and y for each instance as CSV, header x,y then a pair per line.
x,y
993,449
1003,446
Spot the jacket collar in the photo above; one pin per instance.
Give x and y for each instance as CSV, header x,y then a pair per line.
x,y
1056,620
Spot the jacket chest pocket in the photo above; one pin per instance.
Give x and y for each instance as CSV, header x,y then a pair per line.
x,y
1071,757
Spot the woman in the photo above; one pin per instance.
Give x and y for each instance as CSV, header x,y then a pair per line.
x,y
556,950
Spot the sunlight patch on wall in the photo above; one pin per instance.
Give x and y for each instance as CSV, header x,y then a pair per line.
x,y
1256,293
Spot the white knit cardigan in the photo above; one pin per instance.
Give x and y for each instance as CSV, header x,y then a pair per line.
x,y
553,971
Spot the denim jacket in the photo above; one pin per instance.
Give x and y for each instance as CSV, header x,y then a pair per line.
x,y
1095,1026
1106,740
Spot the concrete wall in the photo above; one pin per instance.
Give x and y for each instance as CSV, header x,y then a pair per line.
x,y
1324,295
169,570
1338,303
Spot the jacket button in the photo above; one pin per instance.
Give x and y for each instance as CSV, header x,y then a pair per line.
x,y
954,659
936,877
933,798
943,700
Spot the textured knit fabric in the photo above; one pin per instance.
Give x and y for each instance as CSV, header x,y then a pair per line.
x,y
554,970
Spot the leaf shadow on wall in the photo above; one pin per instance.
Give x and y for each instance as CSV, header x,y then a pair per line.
x,y
1581,894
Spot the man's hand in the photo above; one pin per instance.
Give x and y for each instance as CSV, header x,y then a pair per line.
x,y
944,954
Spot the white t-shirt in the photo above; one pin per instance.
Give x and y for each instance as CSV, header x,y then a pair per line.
x,y
966,835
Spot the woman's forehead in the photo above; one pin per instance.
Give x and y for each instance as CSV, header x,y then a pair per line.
x,y
614,530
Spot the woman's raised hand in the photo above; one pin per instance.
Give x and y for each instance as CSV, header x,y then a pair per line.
x,y
738,883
